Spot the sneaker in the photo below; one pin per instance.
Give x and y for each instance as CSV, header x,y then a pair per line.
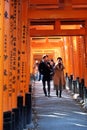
x,y
60,96
57,93
48,95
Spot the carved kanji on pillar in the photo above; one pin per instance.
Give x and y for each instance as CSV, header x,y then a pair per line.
x,y
86,35
1,61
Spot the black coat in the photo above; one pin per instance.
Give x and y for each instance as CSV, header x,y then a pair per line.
x,y
45,70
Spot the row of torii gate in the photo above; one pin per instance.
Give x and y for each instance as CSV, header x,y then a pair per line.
x,y
16,48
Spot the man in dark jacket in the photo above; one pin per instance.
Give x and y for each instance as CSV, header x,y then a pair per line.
x,y
45,70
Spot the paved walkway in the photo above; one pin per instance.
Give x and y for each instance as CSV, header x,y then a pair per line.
x,y
54,113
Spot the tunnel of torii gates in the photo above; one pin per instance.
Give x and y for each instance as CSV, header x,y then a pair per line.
x,y
22,42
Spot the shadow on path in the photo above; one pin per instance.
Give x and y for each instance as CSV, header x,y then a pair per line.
x,y
54,113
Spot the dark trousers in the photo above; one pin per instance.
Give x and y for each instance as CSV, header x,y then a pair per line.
x,y
58,90
44,86
59,93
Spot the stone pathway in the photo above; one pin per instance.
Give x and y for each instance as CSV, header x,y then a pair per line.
x,y
54,113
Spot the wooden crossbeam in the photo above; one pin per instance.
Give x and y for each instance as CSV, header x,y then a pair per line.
x,y
57,14
67,32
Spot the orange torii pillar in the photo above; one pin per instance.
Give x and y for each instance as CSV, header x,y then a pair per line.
x,y
6,101
28,80
10,63
24,61
81,53
75,58
1,61
84,81
15,62
7,83
68,55
13,53
81,64
85,52
18,43
24,44
62,54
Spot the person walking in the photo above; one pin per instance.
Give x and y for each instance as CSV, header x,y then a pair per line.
x,y
58,78
52,63
45,70
35,70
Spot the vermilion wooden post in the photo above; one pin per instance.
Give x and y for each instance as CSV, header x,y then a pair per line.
x,y
24,44
81,51
70,56
85,74
19,47
67,54
75,58
28,58
1,60
82,58
6,57
18,39
13,53
85,55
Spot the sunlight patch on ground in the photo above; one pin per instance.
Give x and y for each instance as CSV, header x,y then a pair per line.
x,y
81,125
81,113
60,114
50,116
